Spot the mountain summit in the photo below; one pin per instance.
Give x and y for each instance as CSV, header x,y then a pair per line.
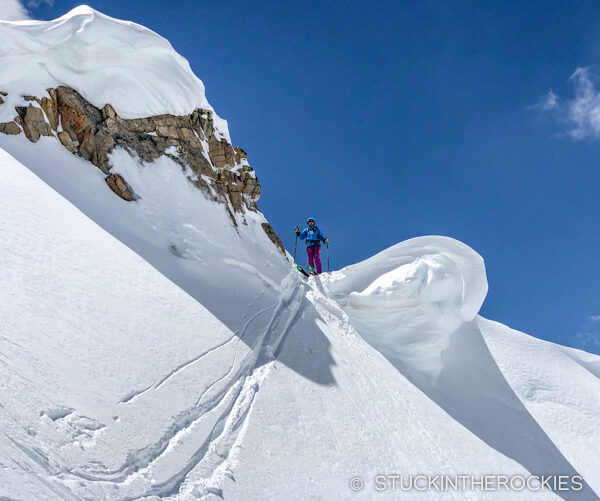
x,y
156,341
106,60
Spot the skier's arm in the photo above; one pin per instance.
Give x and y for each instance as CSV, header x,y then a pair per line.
x,y
321,237
302,235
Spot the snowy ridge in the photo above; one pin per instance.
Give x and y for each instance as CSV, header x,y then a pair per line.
x,y
164,349
108,61
136,389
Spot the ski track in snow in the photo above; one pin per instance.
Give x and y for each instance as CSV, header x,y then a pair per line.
x,y
132,396
77,445
189,455
230,402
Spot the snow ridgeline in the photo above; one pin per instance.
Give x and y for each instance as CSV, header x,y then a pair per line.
x,y
405,301
108,61
409,298
118,385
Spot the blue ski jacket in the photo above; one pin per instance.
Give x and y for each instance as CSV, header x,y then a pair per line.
x,y
313,235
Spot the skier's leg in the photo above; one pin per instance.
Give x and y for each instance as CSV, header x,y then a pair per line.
x,y
310,251
317,256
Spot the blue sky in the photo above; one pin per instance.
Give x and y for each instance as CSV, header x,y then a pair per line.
x,y
391,120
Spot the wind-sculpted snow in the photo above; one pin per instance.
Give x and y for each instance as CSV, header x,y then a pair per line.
x,y
106,60
408,299
160,349
116,384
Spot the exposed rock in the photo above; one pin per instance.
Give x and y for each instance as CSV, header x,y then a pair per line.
x,y
108,112
120,187
1,100
50,106
252,187
221,171
273,236
237,185
67,142
169,131
77,116
10,128
186,134
2,93
21,111
220,152
87,146
104,145
240,155
34,123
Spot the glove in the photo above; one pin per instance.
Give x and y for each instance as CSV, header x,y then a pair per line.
x,y
326,240
297,230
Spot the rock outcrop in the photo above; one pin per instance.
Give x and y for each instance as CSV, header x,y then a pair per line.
x,y
268,229
193,141
120,187
10,128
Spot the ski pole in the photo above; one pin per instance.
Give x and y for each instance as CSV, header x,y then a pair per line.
x,y
295,245
327,256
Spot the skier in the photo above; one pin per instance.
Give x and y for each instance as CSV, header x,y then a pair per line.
x,y
313,236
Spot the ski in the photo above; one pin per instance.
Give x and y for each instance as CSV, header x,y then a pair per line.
x,y
301,270
311,270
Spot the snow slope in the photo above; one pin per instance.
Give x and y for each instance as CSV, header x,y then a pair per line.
x,y
80,315
135,389
156,350
560,388
532,400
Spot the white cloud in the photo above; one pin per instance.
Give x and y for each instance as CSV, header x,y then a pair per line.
x,y
32,4
18,10
584,110
547,102
581,113
13,10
